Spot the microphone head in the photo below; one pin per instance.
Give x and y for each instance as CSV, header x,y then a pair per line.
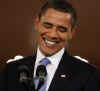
x,y
41,71
24,74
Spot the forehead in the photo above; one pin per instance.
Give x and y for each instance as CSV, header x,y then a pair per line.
x,y
56,16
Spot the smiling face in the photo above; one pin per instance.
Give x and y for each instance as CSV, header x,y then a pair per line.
x,y
54,29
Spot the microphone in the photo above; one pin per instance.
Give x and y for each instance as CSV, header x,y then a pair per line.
x,y
40,76
26,77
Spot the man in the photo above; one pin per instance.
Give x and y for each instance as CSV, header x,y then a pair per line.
x,y
55,26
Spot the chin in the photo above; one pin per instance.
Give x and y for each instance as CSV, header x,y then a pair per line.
x,y
48,53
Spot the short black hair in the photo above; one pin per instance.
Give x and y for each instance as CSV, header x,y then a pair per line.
x,y
60,5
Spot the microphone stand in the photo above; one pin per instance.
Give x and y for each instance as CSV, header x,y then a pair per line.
x,y
29,84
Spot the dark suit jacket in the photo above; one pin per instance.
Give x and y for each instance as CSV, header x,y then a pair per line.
x,y
72,75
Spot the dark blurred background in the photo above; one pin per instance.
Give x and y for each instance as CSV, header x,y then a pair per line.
x,y
16,29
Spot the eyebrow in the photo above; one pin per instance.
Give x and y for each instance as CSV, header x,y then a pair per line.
x,y
48,23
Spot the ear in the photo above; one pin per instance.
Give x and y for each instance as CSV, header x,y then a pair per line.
x,y
36,23
73,32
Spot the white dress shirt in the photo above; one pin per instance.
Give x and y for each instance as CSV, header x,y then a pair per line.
x,y
51,68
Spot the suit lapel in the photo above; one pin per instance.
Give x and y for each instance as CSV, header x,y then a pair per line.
x,y
62,74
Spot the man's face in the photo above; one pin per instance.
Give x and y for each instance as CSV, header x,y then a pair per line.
x,y
54,29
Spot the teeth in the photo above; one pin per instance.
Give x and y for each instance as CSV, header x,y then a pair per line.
x,y
49,42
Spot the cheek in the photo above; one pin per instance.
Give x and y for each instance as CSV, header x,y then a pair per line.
x,y
63,37
41,31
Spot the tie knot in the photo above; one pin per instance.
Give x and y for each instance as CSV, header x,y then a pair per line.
x,y
45,62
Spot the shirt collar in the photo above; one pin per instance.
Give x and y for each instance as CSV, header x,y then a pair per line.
x,y
55,59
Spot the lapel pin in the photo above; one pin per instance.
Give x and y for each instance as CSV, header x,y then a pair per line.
x,y
63,76
67,76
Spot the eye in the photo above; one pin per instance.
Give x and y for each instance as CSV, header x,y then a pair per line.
x,y
62,29
47,25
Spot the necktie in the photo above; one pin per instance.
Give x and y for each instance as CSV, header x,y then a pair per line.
x,y
41,75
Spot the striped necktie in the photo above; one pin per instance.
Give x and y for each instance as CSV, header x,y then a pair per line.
x,y
40,80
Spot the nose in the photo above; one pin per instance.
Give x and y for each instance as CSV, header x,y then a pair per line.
x,y
53,33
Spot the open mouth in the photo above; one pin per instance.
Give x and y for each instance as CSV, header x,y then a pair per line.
x,y
50,42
